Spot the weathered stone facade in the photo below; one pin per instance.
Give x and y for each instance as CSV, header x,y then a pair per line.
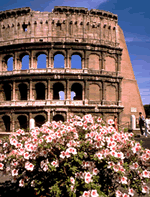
x,y
104,85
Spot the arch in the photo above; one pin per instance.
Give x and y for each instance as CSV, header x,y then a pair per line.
x,y
58,88
6,120
10,64
110,64
94,62
58,117
22,122
23,91
40,91
59,61
111,93
7,92
41,61
77,89
94,92
76,62
39,120
25,62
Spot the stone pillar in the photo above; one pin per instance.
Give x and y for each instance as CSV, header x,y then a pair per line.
x,y
12,123
31,60
15,61
67,92
103,92
85,92
119,93
48,89
103,61
32,123
67,60
48,115
14,90
118,64
133,122
30,87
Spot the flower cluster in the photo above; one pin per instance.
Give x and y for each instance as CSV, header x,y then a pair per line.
x,y
80,157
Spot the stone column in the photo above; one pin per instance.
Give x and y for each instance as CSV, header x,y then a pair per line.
x,y
32,123
14,90
85,92
67,92
31,60
48,115
119,93
118,64
31,93
103,92
15,61
48,89
13,123
103,64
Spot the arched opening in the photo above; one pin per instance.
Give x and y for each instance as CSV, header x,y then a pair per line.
x,y
25,62
23,91
76,62
39,120
22,122
59,61
7,92
77,89
40,91
58,117
73,94
10,64
58,91
6,120
41,61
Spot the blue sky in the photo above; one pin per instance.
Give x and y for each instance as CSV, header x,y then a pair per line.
x,y
133,18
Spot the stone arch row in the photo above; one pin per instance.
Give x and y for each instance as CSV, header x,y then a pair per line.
x,y
22,121
39,91
56,90
61,59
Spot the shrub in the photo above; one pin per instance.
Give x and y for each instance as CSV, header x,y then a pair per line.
x,y
80,157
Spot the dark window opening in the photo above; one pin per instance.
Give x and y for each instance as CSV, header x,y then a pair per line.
x,y
76,62
24,26
77,89
40,91
57,88
58,118
23,122
23,91
39,120
7,92
6,120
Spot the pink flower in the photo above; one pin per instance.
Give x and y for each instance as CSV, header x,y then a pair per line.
x,y
72,180
26,155
86,194
110,121
94,193
118,193
55,163
14,172
95,171
21,183
131,192
29,166
1,166
124,180
146,174
145,189
62,155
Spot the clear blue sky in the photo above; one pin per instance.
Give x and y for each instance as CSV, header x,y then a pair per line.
x,y
134,19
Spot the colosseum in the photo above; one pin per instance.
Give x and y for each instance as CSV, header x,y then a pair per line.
x,y
94,66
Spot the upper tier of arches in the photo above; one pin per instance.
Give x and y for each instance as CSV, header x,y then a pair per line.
x,y
61,59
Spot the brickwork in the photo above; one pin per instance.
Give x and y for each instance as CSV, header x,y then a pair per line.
x,y
104,85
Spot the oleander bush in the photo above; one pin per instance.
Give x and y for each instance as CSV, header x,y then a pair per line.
x,y
78,158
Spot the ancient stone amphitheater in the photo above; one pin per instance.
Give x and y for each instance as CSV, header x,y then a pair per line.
x,y
102,80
